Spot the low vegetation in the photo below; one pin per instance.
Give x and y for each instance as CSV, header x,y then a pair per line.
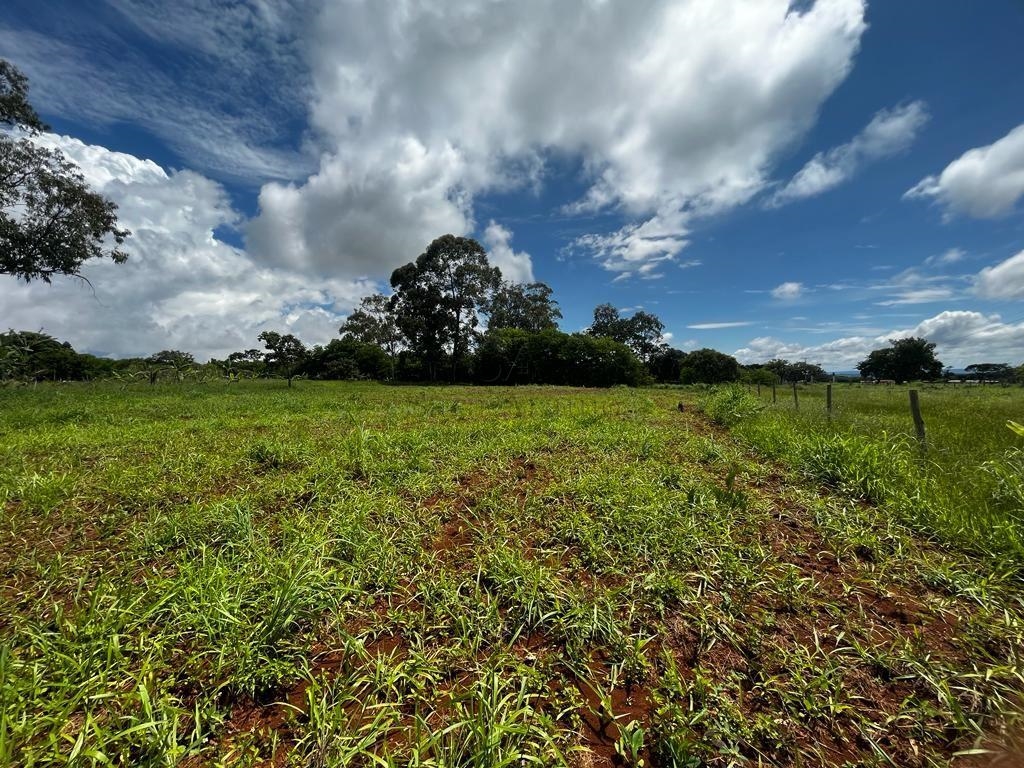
x,y
964,485
352,574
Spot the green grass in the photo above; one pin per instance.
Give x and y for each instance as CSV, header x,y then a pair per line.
x,y
966,487
353,574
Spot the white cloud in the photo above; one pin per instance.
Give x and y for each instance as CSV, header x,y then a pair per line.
x,y
984,182
1002,281
515,267
362,216
961,337
182,287
917,296
890,132
422,108
788,291
716,326
638,249
951,256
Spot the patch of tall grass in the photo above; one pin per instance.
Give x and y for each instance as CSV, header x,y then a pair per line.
x,y
965,487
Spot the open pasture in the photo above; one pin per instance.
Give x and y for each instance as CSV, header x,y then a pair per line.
x,y
965,485
347,574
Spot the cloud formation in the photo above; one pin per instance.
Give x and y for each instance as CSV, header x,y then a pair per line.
x,y
788,291
182,286
961,337
716,326
422,111
890,132
1002,281
984,182
515,266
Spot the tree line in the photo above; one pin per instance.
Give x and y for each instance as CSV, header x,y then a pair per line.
x,y
451,317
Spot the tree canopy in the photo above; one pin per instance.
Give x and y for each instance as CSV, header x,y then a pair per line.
x,y
50,221
990,371
437,298
526,307
285,354
709,366
642,332
905,359
799,371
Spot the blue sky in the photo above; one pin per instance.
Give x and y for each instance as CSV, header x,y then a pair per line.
x,y
771,179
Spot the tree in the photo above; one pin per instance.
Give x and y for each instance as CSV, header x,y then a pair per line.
x,y
375,323
285,354
665,364
515,356
990,371
170,360
526,307
347,358
642,332
27,355
709,366
437,298
758,374
50,221
906,359
250,362
800,371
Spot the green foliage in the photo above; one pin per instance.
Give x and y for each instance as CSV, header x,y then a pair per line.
x,y
641,332
513,356
965,489
285,354
29,356
785,371
51,222
908,359
437,298
347,359
730,404
665,365
708,366
525,307
374,322
15,110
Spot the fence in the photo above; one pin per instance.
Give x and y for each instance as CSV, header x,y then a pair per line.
x,y
914,403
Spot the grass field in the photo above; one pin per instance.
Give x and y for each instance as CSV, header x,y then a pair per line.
x,y
966,487
343,574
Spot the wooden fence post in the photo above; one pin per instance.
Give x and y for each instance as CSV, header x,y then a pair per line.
x,y
759,389
774,400
828,399
915,412
796,401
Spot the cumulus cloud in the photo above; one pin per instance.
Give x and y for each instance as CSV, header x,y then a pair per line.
x,y
961,337
985,182
788,291
182,286
638,249
1002,281
890,132
516,267
421,111
362,216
